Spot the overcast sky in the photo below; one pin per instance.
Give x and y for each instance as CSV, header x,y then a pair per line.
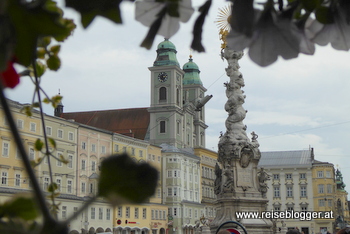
x,y
292,105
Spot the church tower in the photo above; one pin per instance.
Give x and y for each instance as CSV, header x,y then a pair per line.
x,y
177,101
166,115
194,94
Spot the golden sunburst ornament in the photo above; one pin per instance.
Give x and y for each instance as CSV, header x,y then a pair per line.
x,y
223,23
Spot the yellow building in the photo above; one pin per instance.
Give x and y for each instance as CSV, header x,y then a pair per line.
x,y
150,217
324,190
208,197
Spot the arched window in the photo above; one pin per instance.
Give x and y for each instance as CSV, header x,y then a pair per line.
x,y
162,126
162,94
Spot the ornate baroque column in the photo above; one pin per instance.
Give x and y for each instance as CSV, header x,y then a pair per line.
x,y
239,185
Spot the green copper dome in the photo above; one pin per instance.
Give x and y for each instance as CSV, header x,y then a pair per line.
x,y
191,73
166,54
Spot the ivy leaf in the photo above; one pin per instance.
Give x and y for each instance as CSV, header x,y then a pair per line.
x,y
52,142
19,207
123,179
89,9
39,22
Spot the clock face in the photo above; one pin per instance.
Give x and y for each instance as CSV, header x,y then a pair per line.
x,y
162,77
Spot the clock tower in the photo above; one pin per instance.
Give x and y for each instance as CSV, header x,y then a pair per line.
x,y
177,100
166,110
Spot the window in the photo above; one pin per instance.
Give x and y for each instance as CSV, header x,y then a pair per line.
x,y
93,148
276,176
108,214
103,149
144,213
120,211
92,212
133,151
31,154
162,126
152,214
83,165
304,208
141,153
175,211
330,202
64,212
127,212
289,191
69,186
170,192
60,133
276,191
175,191
136,213
75,212
319,174
288,176
91,188
70,136
46,183
83,187
83,145
19,124
59,162
302,175
100,213
93,166
124,149
5,149
116,148
290,208
58,182
328,174
277,208
17,180
4,178
329,188
32,127
162,94
49,131
321,202
320,188
70,161
303,191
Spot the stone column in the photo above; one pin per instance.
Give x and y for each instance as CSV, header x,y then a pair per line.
x,y
239,185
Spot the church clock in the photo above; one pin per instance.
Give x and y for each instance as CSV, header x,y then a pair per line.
x,y
162,77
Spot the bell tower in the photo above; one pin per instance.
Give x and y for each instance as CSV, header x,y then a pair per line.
x,y
166,115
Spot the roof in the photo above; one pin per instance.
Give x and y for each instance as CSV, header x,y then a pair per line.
x,y
166,54
300,158
166,148
132,122
191,75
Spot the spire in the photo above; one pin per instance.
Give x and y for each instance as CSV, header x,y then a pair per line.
x,y
166,54
191,75
59,108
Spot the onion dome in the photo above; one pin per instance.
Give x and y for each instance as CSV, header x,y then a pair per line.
x,y
166,54
191,73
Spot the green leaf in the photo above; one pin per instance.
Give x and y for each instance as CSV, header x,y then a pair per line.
x,y
89,9
52,187
52,142
40,52
19,207
38,145
39,22
27,110
55,49
46,101
53,62
310,5
123,179
324,15
40,68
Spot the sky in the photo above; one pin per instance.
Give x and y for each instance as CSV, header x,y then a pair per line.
x,y
292,104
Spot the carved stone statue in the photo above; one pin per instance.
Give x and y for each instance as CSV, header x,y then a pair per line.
x,y
262,178
218,179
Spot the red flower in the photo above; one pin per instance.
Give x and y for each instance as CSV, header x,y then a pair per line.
x,y
9,77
